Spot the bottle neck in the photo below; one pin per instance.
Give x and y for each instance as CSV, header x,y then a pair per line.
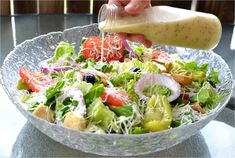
x,y
110,12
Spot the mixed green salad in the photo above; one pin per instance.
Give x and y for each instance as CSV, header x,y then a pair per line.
x,y
118,86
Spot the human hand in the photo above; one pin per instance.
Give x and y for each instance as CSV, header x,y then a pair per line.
x,y
133,7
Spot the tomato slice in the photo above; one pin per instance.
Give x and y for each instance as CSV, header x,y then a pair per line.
x,y
36,82
113,100
112,48
116,47
164,71
91,47
161,56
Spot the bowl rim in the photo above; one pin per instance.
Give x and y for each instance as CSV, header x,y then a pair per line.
x,y
214,112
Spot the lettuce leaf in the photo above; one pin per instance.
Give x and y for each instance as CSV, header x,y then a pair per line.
x,y
63,51
192,65
84,87
213,76
100,114
127,66
63,108
139,130
125,110
138,49
150,67
103,67
124,78
207,96
53,92
32,106
80,58
95,91
130,89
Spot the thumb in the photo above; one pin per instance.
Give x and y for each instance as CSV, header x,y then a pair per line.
x,y
136,6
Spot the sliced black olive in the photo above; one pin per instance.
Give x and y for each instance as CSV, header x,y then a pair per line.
x,y
30,90
136,70
89,78
211,83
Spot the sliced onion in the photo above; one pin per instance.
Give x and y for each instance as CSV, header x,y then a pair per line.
x,y
74,64
46,67
61,68
153,79
128,47
45,70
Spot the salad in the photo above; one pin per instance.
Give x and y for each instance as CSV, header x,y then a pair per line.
x,y
118,86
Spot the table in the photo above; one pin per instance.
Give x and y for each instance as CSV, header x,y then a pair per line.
x,y
20,139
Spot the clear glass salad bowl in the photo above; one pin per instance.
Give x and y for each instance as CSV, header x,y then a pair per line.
x,y
31,52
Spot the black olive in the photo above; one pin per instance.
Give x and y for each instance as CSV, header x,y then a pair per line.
x,y
211,83
30,90
89,78
136,69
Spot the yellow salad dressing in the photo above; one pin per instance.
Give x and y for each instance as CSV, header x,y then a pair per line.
x,y
170,26
102,46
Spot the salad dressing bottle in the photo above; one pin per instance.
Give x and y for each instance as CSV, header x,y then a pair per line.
x,y
164,25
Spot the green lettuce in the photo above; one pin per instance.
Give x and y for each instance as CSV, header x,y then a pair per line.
x,y
33,106
207,96
192,65
213,76
125,110
150,67
64,50
53,92
139,130
127,66
130,89
100,114
80,58
157,90
94,92
103,67
138,49
84,87
66,106
124,78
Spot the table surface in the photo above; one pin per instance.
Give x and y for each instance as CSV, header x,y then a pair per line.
x,y
20,139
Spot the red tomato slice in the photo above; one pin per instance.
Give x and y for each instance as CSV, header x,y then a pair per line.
x,y
36,82
161,56
164,71
112,48
92,47
111,99
115,46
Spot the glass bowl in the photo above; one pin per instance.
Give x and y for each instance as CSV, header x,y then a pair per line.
x,y
31,52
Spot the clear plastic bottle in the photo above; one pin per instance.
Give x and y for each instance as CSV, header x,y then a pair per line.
x,y
164,25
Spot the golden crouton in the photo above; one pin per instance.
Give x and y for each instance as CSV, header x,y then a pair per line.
x,y
182,79
74,121
45,113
